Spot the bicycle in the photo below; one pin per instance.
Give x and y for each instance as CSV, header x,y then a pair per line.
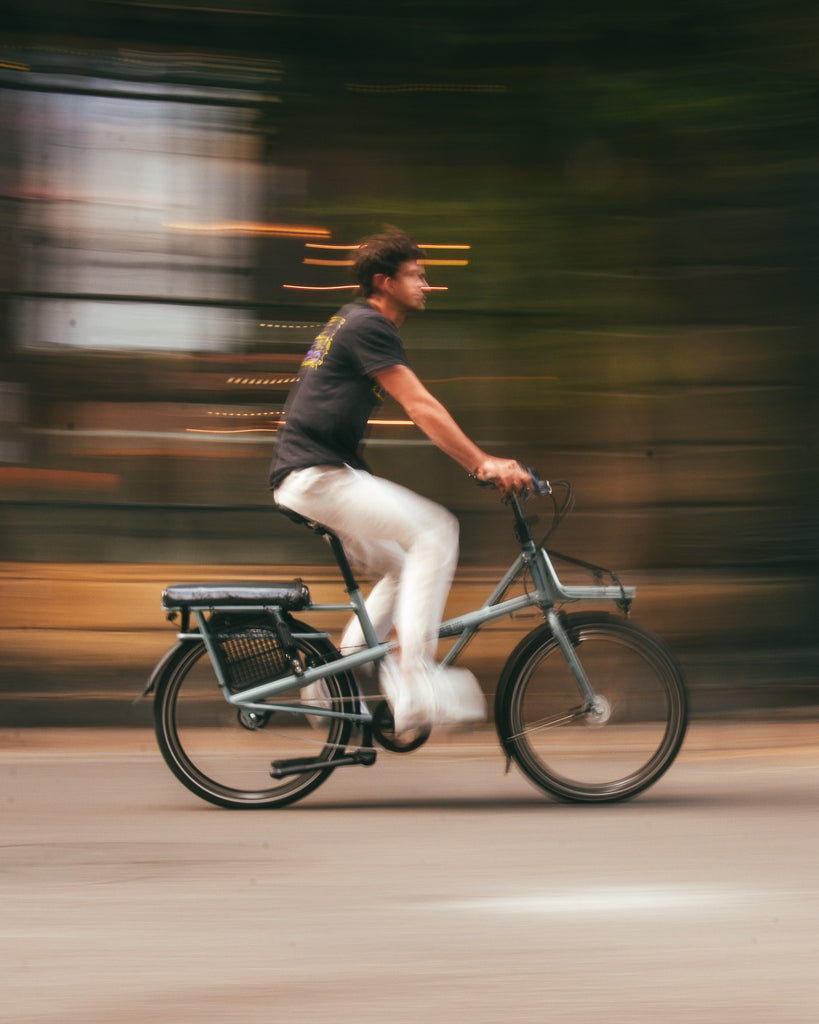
x,y
591,707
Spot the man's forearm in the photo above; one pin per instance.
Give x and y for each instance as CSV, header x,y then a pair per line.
x,y
433,419
427,413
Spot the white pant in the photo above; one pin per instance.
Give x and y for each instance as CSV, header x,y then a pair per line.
x,y
407,542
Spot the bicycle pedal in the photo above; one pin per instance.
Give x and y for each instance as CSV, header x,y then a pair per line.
x,y
300,765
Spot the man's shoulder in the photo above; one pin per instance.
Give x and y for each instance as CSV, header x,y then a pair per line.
x,y
368,337
361,312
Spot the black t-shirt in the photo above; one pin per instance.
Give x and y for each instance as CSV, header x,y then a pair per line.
x,y
327,411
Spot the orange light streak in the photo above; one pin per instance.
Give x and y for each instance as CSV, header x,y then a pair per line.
x,y
262,380
242,415
349,263
234,430
274,427
29,476
322,288
329,263
250,228
423,245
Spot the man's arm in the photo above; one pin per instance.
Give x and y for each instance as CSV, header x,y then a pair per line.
x,y
435,421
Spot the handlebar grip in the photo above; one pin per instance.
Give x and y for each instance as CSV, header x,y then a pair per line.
x,y
539,485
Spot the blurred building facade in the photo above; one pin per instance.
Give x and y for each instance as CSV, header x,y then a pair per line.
x,y
625,211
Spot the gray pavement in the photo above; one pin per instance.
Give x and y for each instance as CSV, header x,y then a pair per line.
x,y
430,887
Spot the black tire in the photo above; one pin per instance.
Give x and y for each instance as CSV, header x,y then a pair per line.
x,y
584,756
223,755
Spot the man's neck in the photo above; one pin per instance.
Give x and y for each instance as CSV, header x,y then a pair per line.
x,y
388,308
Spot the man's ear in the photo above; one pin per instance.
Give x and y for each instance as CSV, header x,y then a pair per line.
x,y
380,282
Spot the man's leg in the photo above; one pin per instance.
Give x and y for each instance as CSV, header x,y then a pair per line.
x,y
382,525
408,541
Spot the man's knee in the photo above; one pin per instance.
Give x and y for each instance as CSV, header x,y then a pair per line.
x,y
444,534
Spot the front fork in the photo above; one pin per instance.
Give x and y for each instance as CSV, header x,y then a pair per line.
x,y
593,705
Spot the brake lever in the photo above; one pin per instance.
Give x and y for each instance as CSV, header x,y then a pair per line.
x,y
540,485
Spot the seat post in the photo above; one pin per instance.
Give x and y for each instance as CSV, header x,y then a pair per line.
x,y
350,582
340,554
353,589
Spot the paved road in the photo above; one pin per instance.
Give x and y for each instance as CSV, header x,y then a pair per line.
x,y
429,888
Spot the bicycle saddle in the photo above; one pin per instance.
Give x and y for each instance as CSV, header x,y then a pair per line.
x,y
311,524
288,596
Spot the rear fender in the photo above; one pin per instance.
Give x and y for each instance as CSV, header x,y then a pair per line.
x,y
165,663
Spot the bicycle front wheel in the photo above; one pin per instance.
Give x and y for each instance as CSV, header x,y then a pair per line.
x,y
223,753
609,750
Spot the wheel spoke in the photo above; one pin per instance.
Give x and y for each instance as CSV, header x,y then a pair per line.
x,y
551,722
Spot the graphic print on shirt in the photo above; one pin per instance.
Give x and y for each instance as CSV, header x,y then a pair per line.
x,y
321,346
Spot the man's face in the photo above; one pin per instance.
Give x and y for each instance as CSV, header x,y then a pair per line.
x,y
409,286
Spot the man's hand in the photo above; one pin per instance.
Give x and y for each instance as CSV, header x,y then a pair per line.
x,y
506,474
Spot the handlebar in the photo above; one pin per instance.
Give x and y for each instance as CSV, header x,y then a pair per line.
x,y
539,485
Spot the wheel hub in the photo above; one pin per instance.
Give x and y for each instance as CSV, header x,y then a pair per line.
x,y
599,712
253,719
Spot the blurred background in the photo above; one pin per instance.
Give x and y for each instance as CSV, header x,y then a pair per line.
x,y
620,208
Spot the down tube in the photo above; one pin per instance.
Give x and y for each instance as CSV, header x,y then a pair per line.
x,y
466,626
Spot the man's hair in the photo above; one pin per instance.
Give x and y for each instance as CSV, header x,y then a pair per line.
x,y
383,254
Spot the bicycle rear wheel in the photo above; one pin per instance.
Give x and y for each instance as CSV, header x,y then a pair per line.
x,y
613,750
222,753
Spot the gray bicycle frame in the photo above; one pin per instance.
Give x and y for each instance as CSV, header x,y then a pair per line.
x,y
547,590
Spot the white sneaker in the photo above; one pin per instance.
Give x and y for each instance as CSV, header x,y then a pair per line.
x,y
389,679
459,700
438,695
412,702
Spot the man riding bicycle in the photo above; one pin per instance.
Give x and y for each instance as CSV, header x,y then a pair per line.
x,y
405,541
